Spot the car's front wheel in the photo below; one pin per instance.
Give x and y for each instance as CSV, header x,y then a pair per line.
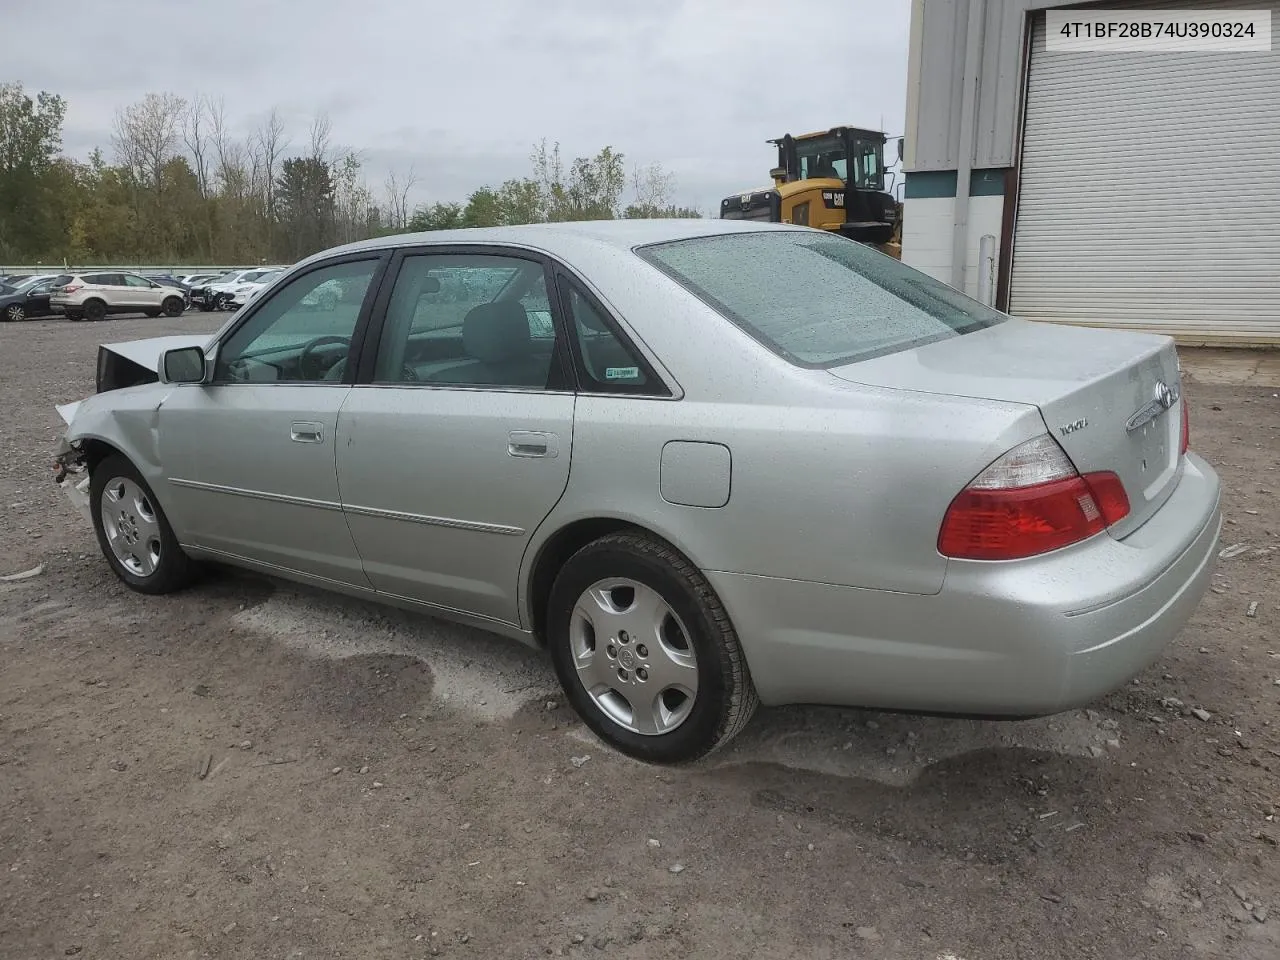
x,y
645,650
132,530
172,306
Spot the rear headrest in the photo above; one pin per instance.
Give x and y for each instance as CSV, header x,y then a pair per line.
x,y
497,331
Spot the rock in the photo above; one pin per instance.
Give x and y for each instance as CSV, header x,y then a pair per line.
x,y
1197,836
364,769
465,938
1260,914
1051,897
809,848
1201,714
676,868
872,725
229,927
579,761
653,843
1113,744
72,950
1171,703
551,705
578,938
1204,649
119,766
201,690
1095,752
246,744
336,770
1253,609
1233,551
378,785
600,942
1110,723
867,933
593,894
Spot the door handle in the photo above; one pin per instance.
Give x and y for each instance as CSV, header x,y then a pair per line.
x,y
532,443
306,431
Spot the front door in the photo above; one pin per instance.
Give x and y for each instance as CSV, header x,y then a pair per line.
x,y
141,293
250,457
455,445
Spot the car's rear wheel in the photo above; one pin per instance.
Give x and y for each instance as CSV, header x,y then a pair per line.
x,y
645,651
94,310
14,313
172,306
132,530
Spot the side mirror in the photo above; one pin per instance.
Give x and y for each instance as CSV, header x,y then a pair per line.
x,y
778,173
901,140
183,365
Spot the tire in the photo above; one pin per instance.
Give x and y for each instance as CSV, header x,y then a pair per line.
x,y
151,313
136,538
172,306
75,317
14,313
691,637
95,310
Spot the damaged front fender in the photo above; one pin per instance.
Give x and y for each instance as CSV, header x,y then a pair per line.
x,y
122,416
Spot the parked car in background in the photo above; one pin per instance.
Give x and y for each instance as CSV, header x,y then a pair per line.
x,y
168,280
29,299
703,463
242,293
95,296
216,294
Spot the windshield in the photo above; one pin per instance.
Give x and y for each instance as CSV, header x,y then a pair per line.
x,y
818,300
228,277
832,156
821,157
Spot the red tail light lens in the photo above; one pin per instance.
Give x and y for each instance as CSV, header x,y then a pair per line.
x,y
1030,501
1185,443
71,287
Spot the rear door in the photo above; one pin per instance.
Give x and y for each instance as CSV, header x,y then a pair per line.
x,y
455,443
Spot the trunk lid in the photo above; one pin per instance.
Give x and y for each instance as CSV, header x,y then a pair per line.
x,y
1110,398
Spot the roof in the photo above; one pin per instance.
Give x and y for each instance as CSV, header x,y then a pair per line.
x,y
550,237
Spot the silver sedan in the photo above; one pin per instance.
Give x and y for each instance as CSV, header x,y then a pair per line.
x,y
704,464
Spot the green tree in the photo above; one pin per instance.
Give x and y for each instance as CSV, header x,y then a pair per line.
x,y
483,209
305,198
438,216
30,140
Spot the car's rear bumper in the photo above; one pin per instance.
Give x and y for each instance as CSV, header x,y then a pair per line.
x,y
1020,638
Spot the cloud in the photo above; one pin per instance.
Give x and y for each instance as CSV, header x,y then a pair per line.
x,y
463,91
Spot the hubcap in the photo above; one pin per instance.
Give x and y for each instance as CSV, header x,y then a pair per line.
x,y
15,313
634,656
132,527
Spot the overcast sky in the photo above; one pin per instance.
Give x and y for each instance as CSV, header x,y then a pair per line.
x,y
462,89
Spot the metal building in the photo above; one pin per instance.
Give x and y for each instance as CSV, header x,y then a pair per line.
x,y
1137,190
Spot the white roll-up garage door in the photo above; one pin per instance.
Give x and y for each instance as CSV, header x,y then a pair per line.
x,y
1150,191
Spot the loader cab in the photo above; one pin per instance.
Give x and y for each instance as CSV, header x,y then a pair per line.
x,y
833,180
848,154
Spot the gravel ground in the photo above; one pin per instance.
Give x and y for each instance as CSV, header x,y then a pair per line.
x,y
381,785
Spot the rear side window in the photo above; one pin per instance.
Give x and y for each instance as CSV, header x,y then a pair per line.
x,y
818,300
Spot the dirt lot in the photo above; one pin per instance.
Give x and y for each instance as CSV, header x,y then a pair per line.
x,y
386,786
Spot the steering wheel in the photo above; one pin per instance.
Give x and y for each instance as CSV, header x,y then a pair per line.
x,y
306,360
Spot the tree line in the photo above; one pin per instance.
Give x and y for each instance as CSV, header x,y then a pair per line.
x,y
179,186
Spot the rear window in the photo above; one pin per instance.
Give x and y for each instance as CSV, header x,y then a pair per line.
x,y
818,300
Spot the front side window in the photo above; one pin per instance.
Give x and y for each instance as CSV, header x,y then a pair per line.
x,y
822,157
131,281
287,339
469,320
818,300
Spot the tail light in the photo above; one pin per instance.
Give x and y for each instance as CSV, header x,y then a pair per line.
x,y
72,287
1030,501
1185,442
